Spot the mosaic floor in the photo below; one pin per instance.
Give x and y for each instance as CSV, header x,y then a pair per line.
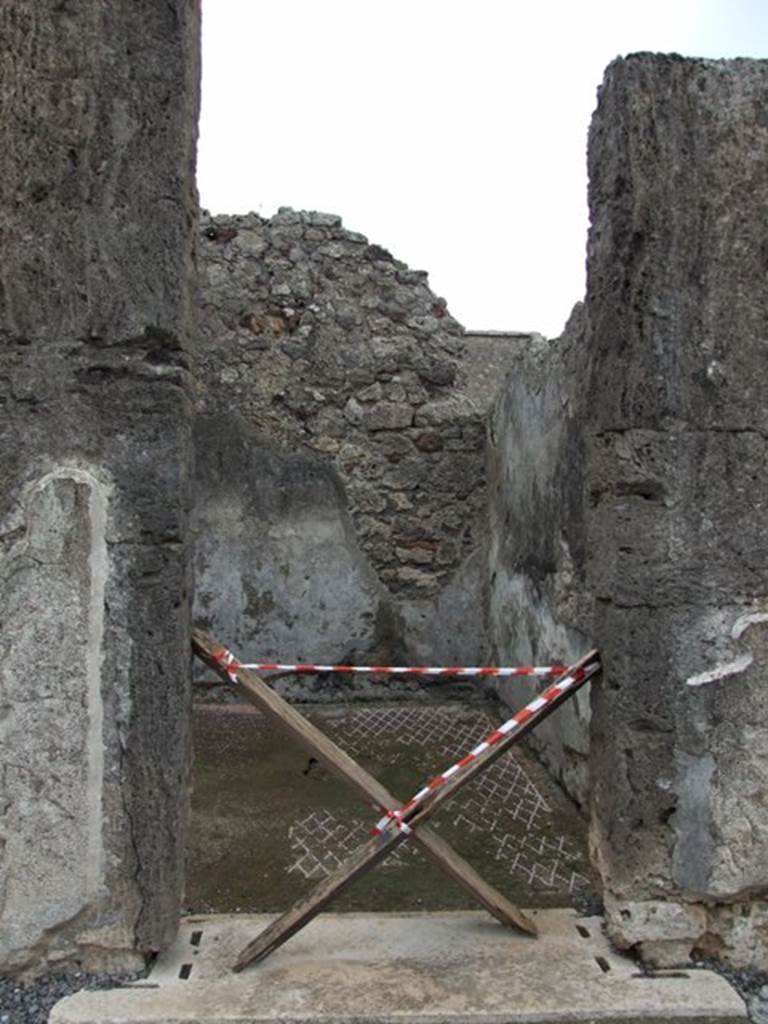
x,y
269,822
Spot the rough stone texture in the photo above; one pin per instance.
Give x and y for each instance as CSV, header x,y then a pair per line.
x,y
326,343
328,347
489,359
97,118
678,484
627,482
540,611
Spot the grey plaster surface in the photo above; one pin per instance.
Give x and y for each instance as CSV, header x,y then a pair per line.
x,y
458,967
59,563
539,609
279,573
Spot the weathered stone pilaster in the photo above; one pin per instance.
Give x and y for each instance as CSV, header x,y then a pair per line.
x,y
677,477
97,215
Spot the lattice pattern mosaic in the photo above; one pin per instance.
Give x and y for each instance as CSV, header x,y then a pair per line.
x,y
321,842
504,804
440,729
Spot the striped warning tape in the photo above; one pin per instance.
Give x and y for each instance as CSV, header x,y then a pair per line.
x,y
572,679
413,670
228,662
231,664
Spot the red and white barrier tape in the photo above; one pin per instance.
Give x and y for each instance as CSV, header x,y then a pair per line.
x,y
511,725
228,662
413,670
231,665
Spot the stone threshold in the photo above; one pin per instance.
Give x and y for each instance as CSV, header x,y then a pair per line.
x,y
451,968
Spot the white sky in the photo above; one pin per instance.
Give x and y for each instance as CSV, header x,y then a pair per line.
x,y
452,132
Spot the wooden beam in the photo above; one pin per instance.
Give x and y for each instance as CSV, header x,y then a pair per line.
x,y
589,665
370,789
301,913
376,849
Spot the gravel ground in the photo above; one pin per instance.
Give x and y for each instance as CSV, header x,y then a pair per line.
x,y
31,1003
757,1005
752,986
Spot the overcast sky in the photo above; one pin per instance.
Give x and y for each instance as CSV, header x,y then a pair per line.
x,y
452,132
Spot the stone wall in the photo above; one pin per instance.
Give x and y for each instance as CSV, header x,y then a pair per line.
x,y
539,609
327,342
678,481
97,121
341,488
325,345
628,480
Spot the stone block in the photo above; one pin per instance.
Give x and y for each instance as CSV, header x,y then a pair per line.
x,y
676,257
663,931
737,934
52,758
387,416
664,504
676,769
429,441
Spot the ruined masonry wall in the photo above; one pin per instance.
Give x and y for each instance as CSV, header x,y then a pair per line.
x,y
359,533
97,133
325,343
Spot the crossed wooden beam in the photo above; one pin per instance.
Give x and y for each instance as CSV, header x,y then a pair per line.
x,y
409,825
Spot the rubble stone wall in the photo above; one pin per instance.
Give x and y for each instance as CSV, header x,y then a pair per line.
x,y
97,218
342,484
327,346
326,342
